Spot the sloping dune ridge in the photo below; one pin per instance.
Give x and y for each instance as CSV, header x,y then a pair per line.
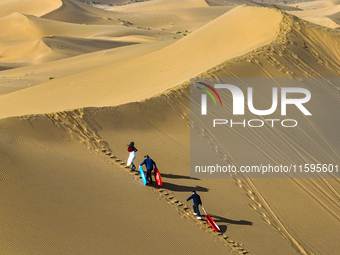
x,y
323,13
161,5
34,40
85,91
167,67
32,7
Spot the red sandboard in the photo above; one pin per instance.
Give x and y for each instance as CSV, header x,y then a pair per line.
x,y
211,221
157,177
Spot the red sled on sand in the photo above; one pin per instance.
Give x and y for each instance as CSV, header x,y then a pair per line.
x,y
157,177
211,221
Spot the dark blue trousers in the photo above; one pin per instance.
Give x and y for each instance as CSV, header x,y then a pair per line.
x,y
148,175
195,207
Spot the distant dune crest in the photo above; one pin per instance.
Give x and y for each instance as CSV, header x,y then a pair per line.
x,y
211,43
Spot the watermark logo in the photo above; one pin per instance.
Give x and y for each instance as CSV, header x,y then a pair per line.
x,y
239,99
204,97
240,102
264,127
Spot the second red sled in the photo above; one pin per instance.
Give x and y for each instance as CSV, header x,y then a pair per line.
x,y
158,177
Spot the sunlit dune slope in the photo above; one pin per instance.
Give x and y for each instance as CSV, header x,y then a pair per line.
x,y
325,13
33,7
168,67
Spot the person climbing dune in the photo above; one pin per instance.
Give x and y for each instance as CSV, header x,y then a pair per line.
x,y
197,201
149,164
131,160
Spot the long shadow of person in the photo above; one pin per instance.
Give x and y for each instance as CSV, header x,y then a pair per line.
x,y
224,228
181,188
176,176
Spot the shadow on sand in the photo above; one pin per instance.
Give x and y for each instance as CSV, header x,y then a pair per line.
x,y
224,228
181,188
175,176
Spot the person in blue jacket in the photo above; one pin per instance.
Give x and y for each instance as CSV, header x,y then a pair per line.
x,y
197,201
149,164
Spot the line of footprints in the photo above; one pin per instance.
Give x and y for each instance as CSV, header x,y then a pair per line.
x,y
79,129
182,208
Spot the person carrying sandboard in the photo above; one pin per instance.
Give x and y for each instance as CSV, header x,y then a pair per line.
x,y
197,201
149,164
211,221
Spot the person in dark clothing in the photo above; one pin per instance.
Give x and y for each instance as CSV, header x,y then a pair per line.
x,y
149,164
197,201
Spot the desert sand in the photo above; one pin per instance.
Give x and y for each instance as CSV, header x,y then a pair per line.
x,y
319,12
80,82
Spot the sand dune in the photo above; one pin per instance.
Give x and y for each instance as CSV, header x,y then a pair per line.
x,y
65,185
74,11
40,40
32,7
19,78
181,18
160,5
319,12
53,48
185,52
236,203
190,50
31,27
244,208
231,2
277,4
71,202
167,15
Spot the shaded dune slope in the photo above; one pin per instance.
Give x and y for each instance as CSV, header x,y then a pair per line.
x,y
250,3
169,17
76,12
40,40
161,5
53,48
32,75
72,201
31,27
243,208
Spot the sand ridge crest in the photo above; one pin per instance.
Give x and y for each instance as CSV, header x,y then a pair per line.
x,y
29,40
323,13
32,27
33,7
298,32
160,5
190,50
